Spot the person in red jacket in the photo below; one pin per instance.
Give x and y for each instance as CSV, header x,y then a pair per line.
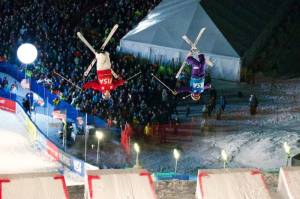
x,y
107,79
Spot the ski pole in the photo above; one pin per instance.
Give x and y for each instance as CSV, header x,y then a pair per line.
x,y
133,76
173,92
66,80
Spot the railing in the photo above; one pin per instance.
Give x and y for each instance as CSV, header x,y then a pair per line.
x,y
38,137
44,93
34,124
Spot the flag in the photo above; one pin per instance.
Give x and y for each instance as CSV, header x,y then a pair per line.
x,y
25,84
125,138
37,100
125,141
58,114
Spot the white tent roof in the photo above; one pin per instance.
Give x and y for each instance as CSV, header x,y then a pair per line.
x,y
172,19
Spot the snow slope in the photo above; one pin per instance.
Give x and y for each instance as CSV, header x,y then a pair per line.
x,y
17,154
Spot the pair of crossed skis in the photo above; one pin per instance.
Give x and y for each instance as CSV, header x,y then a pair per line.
x,y
112,32
86,73
192,51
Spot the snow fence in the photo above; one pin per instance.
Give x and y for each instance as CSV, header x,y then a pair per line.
x,y
48,147
72,114
40,139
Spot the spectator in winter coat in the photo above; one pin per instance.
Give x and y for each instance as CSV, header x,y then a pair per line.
x,y
223,102
26,105
13,89
164,95
4,82
253,103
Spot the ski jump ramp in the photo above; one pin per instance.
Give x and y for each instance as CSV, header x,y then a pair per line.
x,y
119,184
289,183
231,183
33,186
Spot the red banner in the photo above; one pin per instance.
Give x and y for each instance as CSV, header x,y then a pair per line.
x,y
52,150
7,105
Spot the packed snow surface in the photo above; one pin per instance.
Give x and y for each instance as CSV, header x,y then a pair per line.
x,y
17,154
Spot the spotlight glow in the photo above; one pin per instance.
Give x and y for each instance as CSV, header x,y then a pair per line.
x,y
99,135
224,155
27,53
287,148
136,147
176,154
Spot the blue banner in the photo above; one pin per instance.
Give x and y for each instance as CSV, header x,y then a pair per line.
x,y
45,94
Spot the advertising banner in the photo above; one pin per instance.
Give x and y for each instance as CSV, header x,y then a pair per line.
x,y
78,166
7,105
31,129
52,150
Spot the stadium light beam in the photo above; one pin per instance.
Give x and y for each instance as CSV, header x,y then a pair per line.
x,y
27,53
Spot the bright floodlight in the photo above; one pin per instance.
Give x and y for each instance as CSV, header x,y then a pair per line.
x,y
224,155
27,53
99,135
136,147
137,150
287,148
176,154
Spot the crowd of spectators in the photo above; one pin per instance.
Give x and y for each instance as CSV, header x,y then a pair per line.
x,y
8,87
52,25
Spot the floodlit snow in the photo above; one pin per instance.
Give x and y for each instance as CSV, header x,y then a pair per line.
x,y
17,154
250,141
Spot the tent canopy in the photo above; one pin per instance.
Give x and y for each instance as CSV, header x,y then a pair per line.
x,y
172,19
158,37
